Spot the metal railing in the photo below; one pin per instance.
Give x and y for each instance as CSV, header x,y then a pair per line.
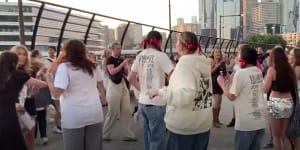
x,y
207,42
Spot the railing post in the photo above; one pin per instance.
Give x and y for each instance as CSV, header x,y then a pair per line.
x,y
88,29
124,33
62,31
36,26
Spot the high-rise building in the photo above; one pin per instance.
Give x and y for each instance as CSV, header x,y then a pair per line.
x,y
247,9
230,22
194,19
180,21
226,8
109,35
133,36
207,14
290,15
291,38
49,27
266,16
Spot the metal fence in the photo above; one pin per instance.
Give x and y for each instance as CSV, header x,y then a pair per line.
x,y
56,23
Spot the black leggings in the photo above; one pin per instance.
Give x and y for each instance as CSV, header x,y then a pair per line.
x,y
41,123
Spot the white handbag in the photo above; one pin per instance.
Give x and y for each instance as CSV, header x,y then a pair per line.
x,y
26,121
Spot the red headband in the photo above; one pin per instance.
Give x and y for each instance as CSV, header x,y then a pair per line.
x,y
189,46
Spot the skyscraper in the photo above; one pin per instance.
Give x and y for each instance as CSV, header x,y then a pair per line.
x,y
266,14
207,14
248,6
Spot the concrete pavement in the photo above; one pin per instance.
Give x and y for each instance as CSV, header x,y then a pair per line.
x,y
220,138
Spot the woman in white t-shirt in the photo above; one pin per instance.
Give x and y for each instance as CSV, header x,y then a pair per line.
x,y
76,82
247,94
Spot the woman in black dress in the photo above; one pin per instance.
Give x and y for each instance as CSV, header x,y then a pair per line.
x,y
217,65
11,83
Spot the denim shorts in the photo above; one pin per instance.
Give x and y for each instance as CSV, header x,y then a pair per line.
x,y
280,107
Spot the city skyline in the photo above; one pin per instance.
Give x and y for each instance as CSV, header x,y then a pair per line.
x,y
139,12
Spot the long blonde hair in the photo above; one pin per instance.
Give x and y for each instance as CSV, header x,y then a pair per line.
x,y
16,49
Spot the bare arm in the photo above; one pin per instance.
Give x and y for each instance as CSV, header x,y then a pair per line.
x,y
268,79
225,87
102,93
36,83
133,79
55,92
114,70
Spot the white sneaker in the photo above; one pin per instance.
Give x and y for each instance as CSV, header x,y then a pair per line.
x,y
57,130
44,141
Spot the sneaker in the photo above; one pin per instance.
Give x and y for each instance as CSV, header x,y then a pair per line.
x,y
130,139
57,130
231,124
216,125
107,139
44,141
268,145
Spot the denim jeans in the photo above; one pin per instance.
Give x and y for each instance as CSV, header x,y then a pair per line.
x,y
154,126
187,142
249,140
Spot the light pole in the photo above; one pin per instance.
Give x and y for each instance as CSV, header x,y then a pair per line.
x,y
220,24
170,26
21,22
273,29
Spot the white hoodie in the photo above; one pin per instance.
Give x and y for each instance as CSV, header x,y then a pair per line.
x,y
189,96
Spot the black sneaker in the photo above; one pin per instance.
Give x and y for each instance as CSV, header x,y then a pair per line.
x,y
231,124
269,145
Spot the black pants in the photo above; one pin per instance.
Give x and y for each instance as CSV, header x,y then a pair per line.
x,y
41,123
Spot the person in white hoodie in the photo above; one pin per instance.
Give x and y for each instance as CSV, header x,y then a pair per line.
x,y
189,97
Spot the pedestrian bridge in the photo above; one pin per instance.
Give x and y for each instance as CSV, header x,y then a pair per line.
x,y
54,23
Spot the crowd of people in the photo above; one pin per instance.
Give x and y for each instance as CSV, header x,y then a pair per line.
x,y
179,99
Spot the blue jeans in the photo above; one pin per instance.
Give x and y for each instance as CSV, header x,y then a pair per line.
x,y
154,126
188,142
248,140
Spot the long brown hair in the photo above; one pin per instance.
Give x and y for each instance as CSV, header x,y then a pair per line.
x,y
285,76
75,53
8,63
297,56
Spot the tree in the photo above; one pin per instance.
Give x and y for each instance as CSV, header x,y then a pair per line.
x,y
269,40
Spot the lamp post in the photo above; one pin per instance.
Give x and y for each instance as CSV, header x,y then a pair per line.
x,y
273,30
220,25
170,26
21,22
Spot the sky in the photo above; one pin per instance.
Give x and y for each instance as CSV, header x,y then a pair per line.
x,y
152,12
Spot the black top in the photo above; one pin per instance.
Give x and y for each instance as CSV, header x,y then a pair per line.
x,y
275,87
11,136
117,78
220,68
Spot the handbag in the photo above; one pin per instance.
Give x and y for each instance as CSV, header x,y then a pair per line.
x,y
29,106
26,121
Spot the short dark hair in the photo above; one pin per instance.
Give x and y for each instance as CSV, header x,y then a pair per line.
x,y
249,54
52,47
34,53
152,38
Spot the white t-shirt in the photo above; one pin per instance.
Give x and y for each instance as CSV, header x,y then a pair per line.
x,y
151,66
80,102
250,104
